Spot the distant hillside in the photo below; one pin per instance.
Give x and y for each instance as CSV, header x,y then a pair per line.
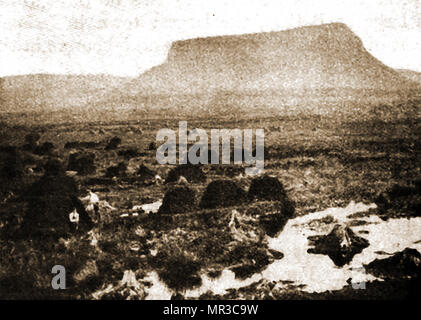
x,y
44,91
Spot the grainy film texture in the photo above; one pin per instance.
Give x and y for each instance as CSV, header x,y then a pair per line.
x,y
210,149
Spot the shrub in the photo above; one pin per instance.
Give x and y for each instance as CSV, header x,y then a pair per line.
x,y
177,270
257,259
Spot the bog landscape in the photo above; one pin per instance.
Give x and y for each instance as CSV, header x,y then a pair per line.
x,y
336,213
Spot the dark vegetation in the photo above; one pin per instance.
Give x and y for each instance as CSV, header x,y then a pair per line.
x,y
273,223
32,138
257,259
177,270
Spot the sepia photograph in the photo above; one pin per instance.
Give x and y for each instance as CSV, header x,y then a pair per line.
x,y
210,151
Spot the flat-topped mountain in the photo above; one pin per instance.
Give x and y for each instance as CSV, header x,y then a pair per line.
x,y
273,66
303,66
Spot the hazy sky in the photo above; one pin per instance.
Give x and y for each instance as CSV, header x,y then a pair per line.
x,y
126,37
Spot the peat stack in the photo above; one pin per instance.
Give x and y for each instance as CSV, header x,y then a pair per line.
x,y
178,200
266,188
222,193
50,200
